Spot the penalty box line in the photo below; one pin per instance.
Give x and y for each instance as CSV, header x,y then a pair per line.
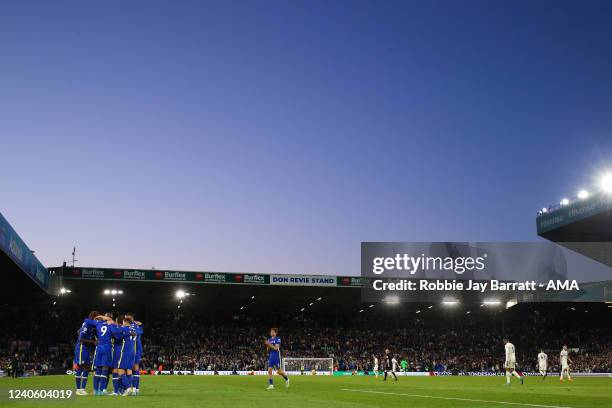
x,y
452,398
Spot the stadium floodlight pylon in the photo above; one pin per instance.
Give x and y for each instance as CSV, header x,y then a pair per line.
x,y
308,365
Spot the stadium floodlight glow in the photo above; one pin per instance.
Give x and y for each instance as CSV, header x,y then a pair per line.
x,y
180,294
318,299
430,307
113,292
63,291
544,210
492,302
107,292
253,297
302,309
391,300
606,183
450,302
310,304
120,292
371,306
583,194
564,201
360,310
418,311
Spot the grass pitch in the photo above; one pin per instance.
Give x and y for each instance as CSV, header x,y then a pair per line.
x,y
325,391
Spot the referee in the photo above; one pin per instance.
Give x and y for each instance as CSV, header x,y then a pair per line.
x,y
390,365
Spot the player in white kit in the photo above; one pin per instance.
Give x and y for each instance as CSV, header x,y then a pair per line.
x,y
375,365
565,360
510,363
543,364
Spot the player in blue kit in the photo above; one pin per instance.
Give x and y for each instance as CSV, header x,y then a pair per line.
x,y
274,358
137,327
124,346
103,359
83,353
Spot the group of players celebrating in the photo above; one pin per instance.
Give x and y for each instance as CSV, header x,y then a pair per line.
x,y
111,347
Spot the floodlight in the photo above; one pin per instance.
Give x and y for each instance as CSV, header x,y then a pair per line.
x,y
582,194
606,183
565,201
491,302
391,300
107,292
180,294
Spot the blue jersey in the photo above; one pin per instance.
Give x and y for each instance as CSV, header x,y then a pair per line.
x,y
138,330
275,341
86,332
102,331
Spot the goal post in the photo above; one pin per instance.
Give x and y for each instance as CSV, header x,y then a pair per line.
x,y
308,366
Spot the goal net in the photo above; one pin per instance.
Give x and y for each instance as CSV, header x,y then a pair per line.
x,y
308,366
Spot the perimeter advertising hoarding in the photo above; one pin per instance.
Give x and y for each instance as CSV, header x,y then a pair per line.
x,y
161,276
88,273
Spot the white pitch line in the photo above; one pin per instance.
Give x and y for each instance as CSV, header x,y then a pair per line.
x,y
454,398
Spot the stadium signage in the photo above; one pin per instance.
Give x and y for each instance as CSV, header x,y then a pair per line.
x,y
302,280
14,247
597,203
134,275
92,273
206,277
255,279
175,276
350,281
214,277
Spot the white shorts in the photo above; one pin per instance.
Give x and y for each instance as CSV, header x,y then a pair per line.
x,y
542,366
565,367
510,364
375,368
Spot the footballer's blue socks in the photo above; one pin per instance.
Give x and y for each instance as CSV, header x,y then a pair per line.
x,y
116,383
103,379
84,375
270,381
126,381
96,379
136,381
77,378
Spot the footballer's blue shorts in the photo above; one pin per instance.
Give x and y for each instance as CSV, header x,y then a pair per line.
x,y
82,354
274,361
126,360
104,356
123,357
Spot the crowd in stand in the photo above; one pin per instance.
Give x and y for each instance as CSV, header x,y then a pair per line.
x,y
183,342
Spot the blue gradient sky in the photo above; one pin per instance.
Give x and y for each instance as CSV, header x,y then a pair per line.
x,y
276,136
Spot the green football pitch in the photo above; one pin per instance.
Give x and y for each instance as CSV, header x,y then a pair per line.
x,y
317,392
